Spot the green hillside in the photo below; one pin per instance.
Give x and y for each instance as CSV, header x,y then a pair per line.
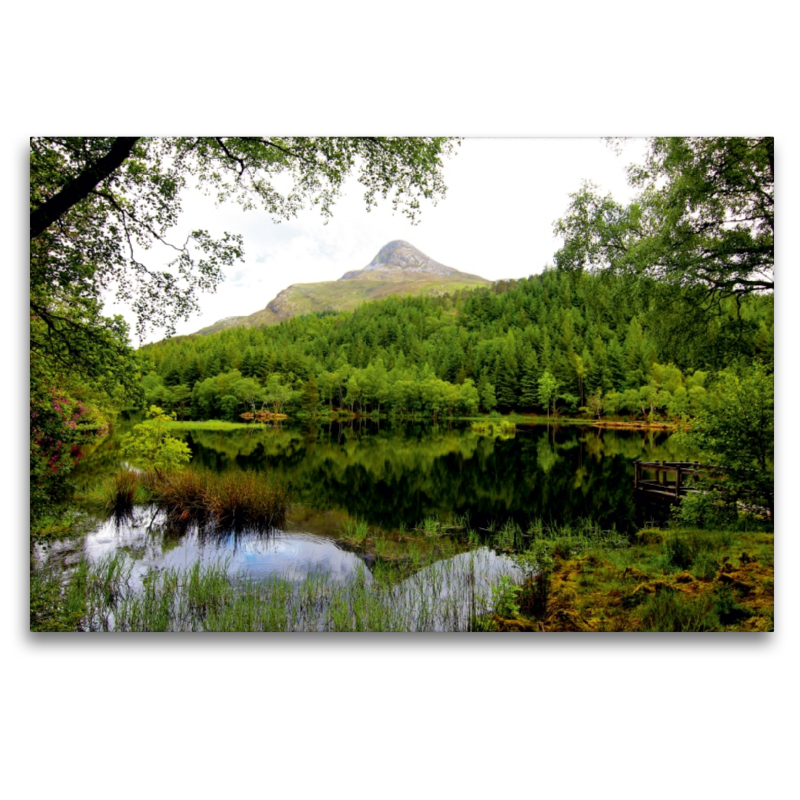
x,y
398,269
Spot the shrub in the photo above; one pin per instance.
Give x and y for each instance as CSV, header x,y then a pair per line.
x,y
150,446
678,552
504,598
706,511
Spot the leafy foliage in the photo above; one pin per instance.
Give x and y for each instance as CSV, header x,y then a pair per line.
x,y
704,219
102,210
94,216
60,426
150,446
735,429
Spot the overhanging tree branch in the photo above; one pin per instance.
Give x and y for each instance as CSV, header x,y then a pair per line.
x,y
80,187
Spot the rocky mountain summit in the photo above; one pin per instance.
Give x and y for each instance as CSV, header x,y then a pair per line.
x,y
402,256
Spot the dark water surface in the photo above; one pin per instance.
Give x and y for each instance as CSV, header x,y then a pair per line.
x,y
397,476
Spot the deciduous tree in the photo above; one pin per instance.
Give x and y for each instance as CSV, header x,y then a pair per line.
x,y
703,219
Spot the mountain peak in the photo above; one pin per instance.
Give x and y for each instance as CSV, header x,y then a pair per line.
x,y
400,255
398,269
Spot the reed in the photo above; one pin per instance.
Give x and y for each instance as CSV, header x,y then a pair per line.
x,y
246,499
354,531
237,500
441,596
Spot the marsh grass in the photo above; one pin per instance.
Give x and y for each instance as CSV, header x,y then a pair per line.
x,y
354,531
567,539
695,550
245,499
233,500
673,612
449,595
118,493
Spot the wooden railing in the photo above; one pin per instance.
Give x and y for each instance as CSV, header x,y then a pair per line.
x,y
664,487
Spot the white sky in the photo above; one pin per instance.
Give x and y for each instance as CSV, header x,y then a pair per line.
x,y
496,221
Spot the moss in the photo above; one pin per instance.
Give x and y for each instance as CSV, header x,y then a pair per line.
x,y
633,589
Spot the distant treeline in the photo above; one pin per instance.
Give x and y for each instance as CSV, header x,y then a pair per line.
x,y
573,343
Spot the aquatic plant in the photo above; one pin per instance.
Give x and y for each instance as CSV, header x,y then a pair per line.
x,y
118,493
355,531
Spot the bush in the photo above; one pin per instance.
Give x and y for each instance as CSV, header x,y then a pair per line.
x,y
678,552
735,429
504,597
706,511
150,446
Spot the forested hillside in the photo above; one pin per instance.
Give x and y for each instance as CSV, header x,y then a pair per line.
x,y
569,342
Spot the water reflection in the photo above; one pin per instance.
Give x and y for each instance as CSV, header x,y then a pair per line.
x,y
152,543
399,476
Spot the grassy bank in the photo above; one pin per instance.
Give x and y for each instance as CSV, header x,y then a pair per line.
x,y
208,598
211,425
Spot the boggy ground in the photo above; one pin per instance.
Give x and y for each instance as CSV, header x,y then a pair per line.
x,y
676,580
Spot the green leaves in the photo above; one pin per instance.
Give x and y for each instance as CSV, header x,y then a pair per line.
x,y
114,213
704,218
151,447
735,429
548,390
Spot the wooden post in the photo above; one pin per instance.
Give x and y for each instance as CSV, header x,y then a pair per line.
x,y
677,483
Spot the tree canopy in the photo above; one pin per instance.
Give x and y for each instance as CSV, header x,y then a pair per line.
x,y
704,219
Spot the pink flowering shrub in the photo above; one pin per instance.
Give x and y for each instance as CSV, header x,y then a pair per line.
x,y
60,426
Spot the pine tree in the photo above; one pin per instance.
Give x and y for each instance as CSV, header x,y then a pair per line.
x,y
529,384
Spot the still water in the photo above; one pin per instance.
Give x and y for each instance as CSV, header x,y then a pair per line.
x,y
391,478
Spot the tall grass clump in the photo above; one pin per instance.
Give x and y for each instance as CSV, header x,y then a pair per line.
x,y
181,494
355,531
118,493
695,551
246,498
235,499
